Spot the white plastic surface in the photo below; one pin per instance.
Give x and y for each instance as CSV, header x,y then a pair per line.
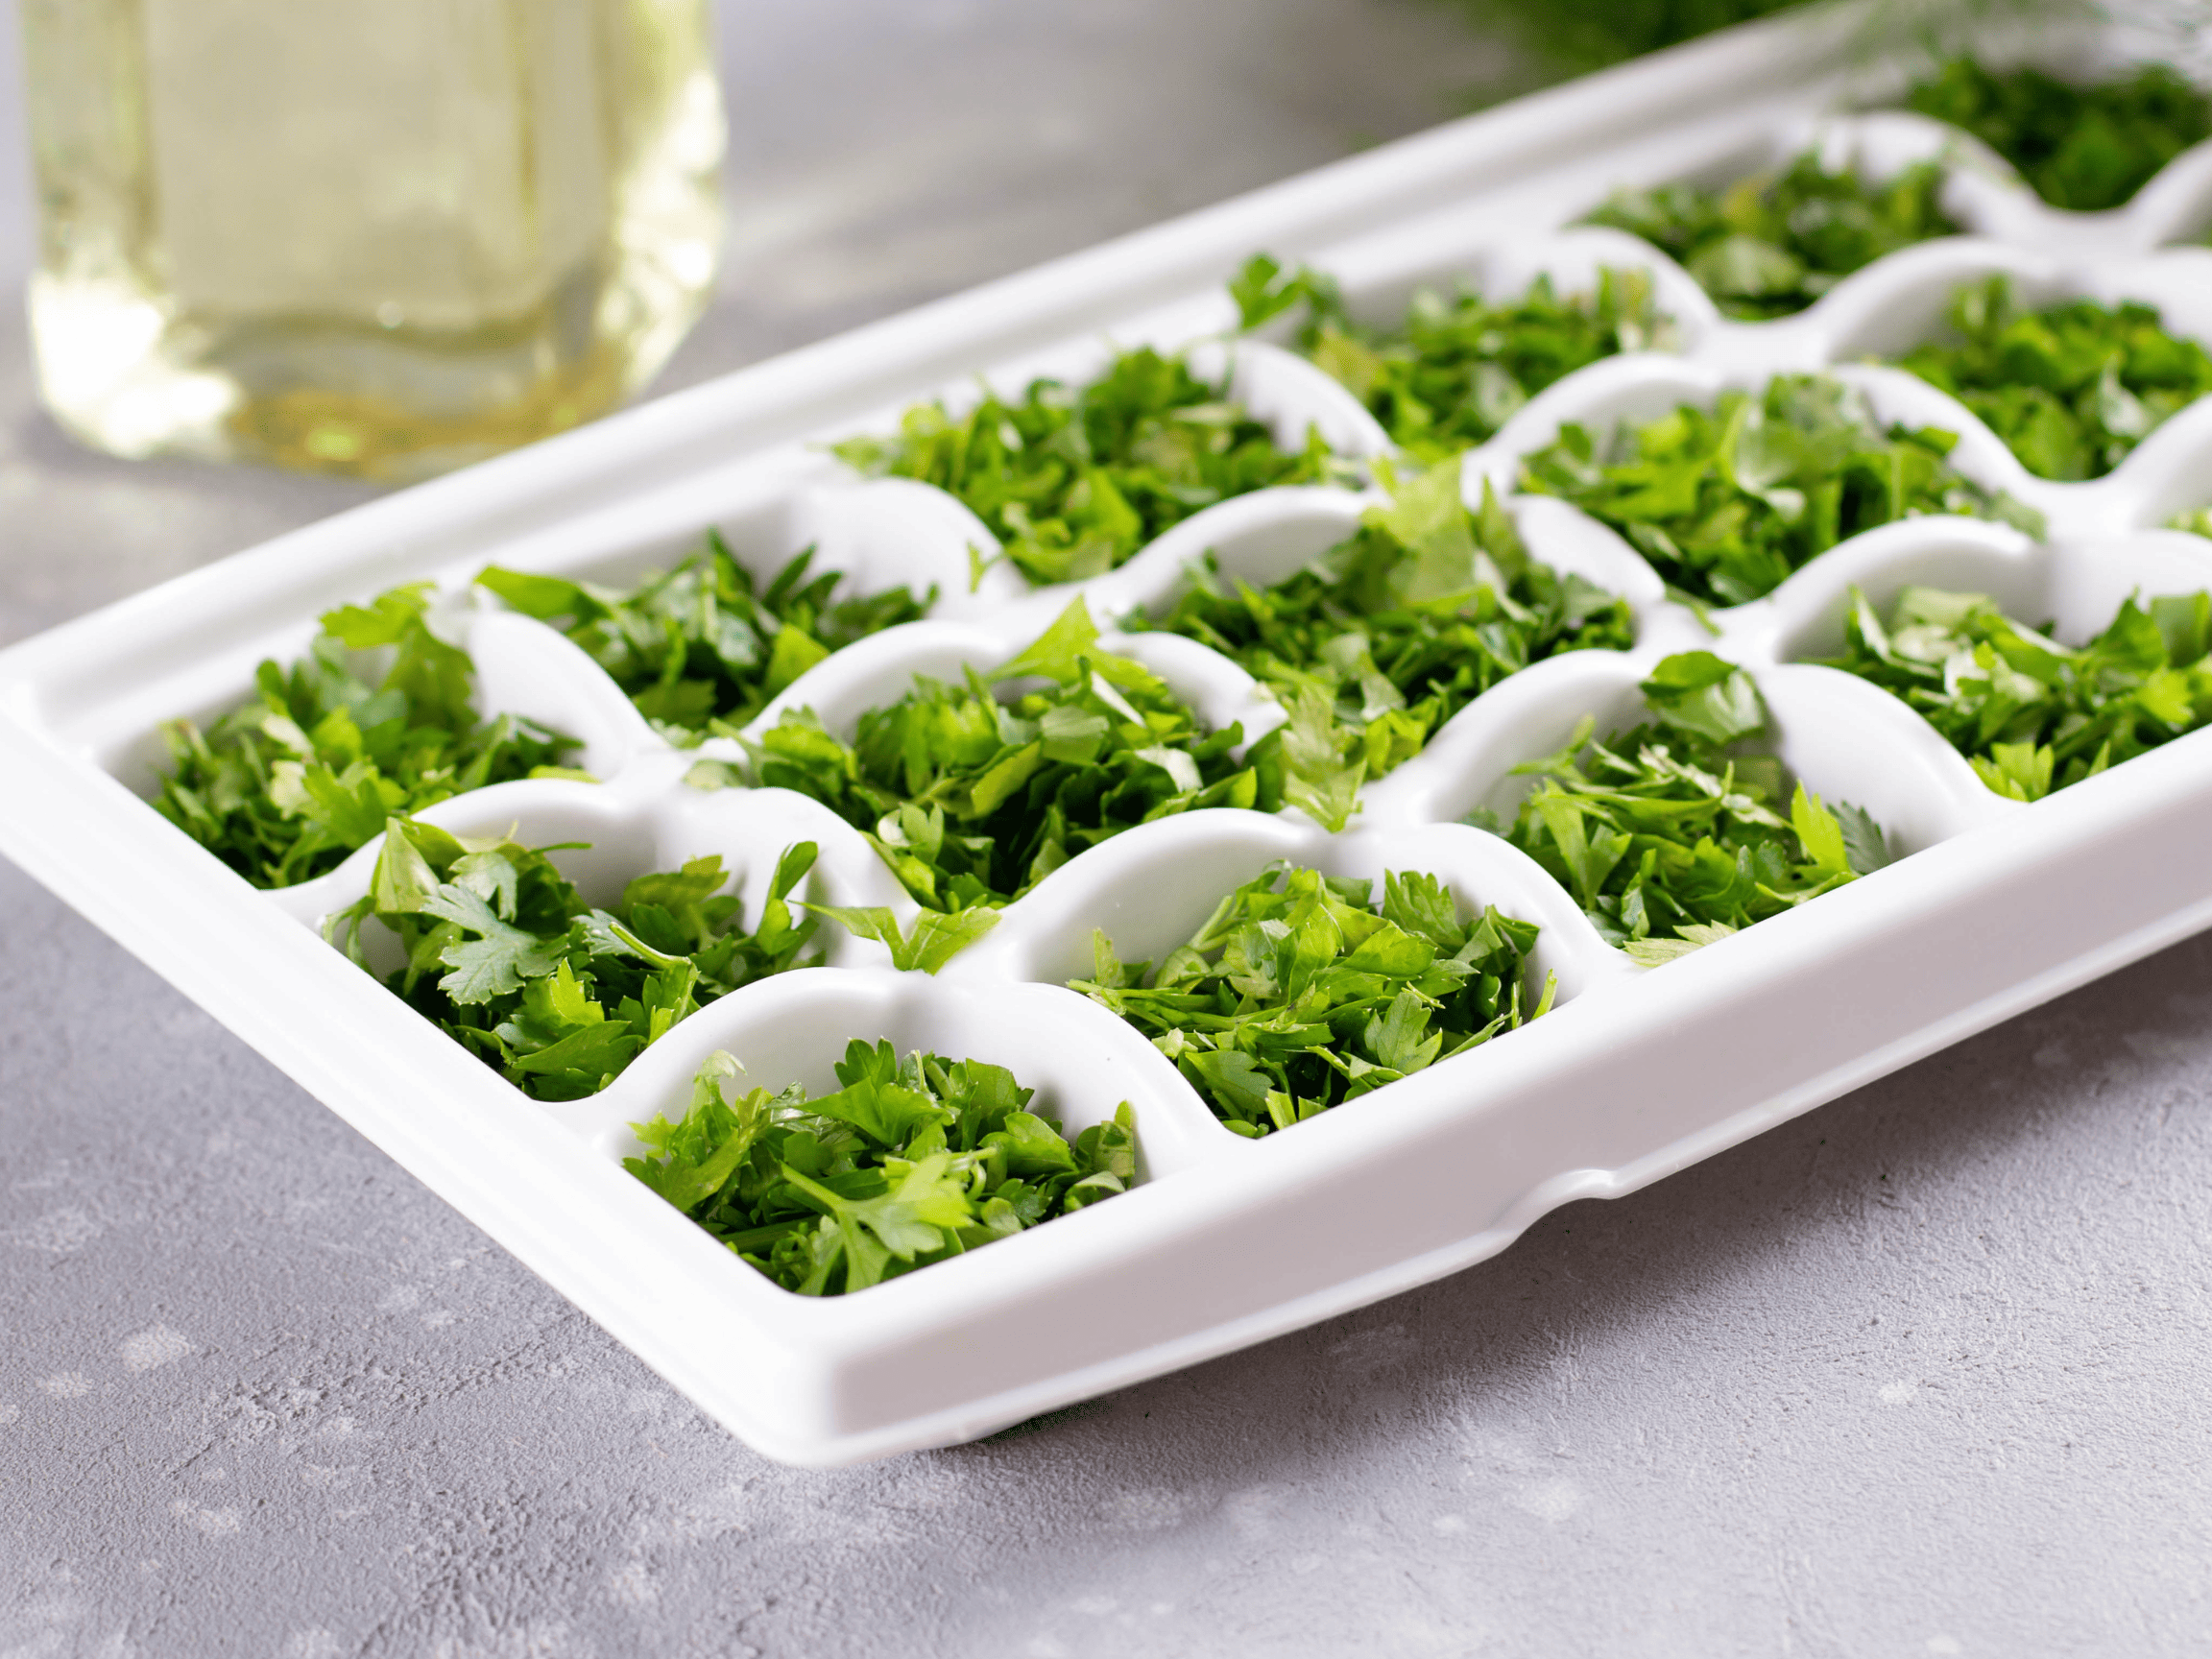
x,y
1223,1241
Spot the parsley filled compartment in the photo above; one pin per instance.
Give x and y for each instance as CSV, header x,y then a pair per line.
x,y
1283,971
2088,145
1727,481
1445,333
2039,665
976,767
1068,465
1769,233
1793,228
1370,647
392,705
556,930
2082,373
1678,799
834,1130
705,599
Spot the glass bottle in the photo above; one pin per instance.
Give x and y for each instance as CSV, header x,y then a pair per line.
x,y
379,237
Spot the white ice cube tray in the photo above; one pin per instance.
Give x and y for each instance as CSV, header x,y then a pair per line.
x,y
1224,1241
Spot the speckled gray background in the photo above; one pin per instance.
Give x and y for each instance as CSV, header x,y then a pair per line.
x,y
1923,1373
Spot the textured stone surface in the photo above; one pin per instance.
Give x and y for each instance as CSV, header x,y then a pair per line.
x,y
1923,1373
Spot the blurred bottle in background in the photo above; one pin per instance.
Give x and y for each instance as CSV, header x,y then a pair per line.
x,y
379,237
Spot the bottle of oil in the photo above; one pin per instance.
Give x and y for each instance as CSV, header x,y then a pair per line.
x,y
380,237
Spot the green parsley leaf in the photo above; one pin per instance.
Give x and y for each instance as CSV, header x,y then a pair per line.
x,y
1698,692
2087,148
1726,503
971,800
936,939
1774,243
2030,714
2071,387
1457,366
1666,834
284,786
1299,995
556,994
700,648
907,1164
1074,480
1262,289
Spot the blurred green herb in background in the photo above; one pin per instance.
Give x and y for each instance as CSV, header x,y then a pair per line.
x,y
1559,38
2086,148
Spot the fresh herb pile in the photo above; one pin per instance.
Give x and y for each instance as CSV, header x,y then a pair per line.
x,y
1456,368
1727,502
1073,480
2030,714
2072,387
2087,148
1299,995
907,1164
700,648
1773,244
973,800
506,956
1405,623
282,788
1556,38
1668,838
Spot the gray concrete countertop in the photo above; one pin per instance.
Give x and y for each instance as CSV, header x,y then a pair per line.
x,y
1923,1373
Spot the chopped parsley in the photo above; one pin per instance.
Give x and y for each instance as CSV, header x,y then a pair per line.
x,y
1667,837
1773,244
2071,387
1455,369
2198,521
504,953
1074,480
701,648
910,1162
1405,624
1726,503
284,788
2086,148
2030,714
971,800
1299,993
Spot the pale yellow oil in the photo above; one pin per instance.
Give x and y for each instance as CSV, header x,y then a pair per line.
x,y
379,237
